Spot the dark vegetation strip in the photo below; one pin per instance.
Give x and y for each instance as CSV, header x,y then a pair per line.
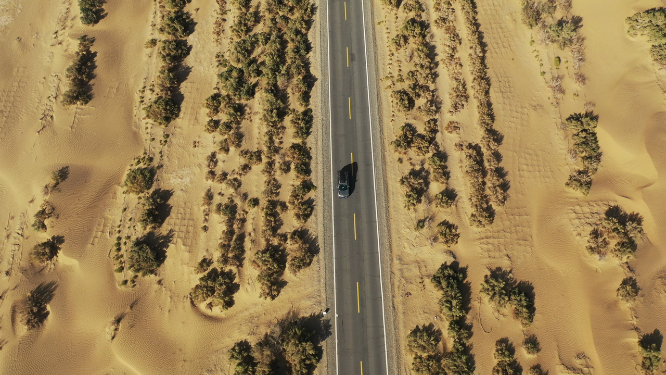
x,y
80,73
583,129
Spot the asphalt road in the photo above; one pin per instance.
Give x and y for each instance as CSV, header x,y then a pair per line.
x,y
359,322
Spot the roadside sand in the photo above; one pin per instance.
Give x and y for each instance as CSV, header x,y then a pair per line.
x,y
541,232
159,332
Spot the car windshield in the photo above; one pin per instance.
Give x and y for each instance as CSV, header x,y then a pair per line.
x,y
342,187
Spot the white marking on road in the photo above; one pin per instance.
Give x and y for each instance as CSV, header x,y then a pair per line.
x,y
374,183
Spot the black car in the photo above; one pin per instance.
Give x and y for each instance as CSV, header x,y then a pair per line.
x,y
343,184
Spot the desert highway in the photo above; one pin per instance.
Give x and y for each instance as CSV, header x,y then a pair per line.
x,y
359,320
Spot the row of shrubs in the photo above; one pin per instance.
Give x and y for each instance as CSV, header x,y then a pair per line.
x,y
291,347
563,31
45,252
583,128
503,290
483,213
80,73
176,24
445,21
424,341
651,23
616,234
497,184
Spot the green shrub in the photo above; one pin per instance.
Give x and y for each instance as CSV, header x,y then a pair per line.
x,y
531,344
415,183
176,4
650,23
217,286
557,61
423,340
448,233
46,211
392,4
177,24
58,176
504,355
139,180
302,124
536,370
650,349
502,291
531,13
46,251
162,110
445,198
403,141
448,280
142,259
80,73
427,365
628,290
252,202
91,11
33,310
172,51
616,234
151,216
562,33
150,43
402,100
241,355
658,53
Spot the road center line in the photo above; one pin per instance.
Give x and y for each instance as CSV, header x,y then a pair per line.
x,y
345,10
350,107
361,367
354,227
347,57
358,301
352,156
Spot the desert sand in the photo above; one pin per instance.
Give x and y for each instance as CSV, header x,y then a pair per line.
x,y
542,231
95,325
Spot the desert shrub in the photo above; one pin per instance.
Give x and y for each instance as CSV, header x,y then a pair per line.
x,y
252,157
302,123
91,11
445,198
650,349
427,365
474,171
531,344
392,4
176,4
628,290
452,127
58,176
504,356
650,23
271,267
301,208
658,54
616,234
177,24
402,100
165,82
80,73
448,280
502,291
203,265
172,51
299,154
301,256
213,104
252,202
536,370
211,126
46,251
153,206
271,188
530,13
217,286
563,33
150,43
241,355
45,212
404,139
438,166
142,259
139,180
448,233
580,180
415,184
162,110
33,310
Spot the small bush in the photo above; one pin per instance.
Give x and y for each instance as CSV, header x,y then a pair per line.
x,y
171,51
91,11
151,43
142,259
536,370
162,110
46,211
616,234
252,202
402,100
531,344
177,24
46,251
58,176
423,340
650,349
33,310
301,122
153,206
448,233
504,355
203,265
299,250
139,180
80,73
501,289
217,286
628,290
445,198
